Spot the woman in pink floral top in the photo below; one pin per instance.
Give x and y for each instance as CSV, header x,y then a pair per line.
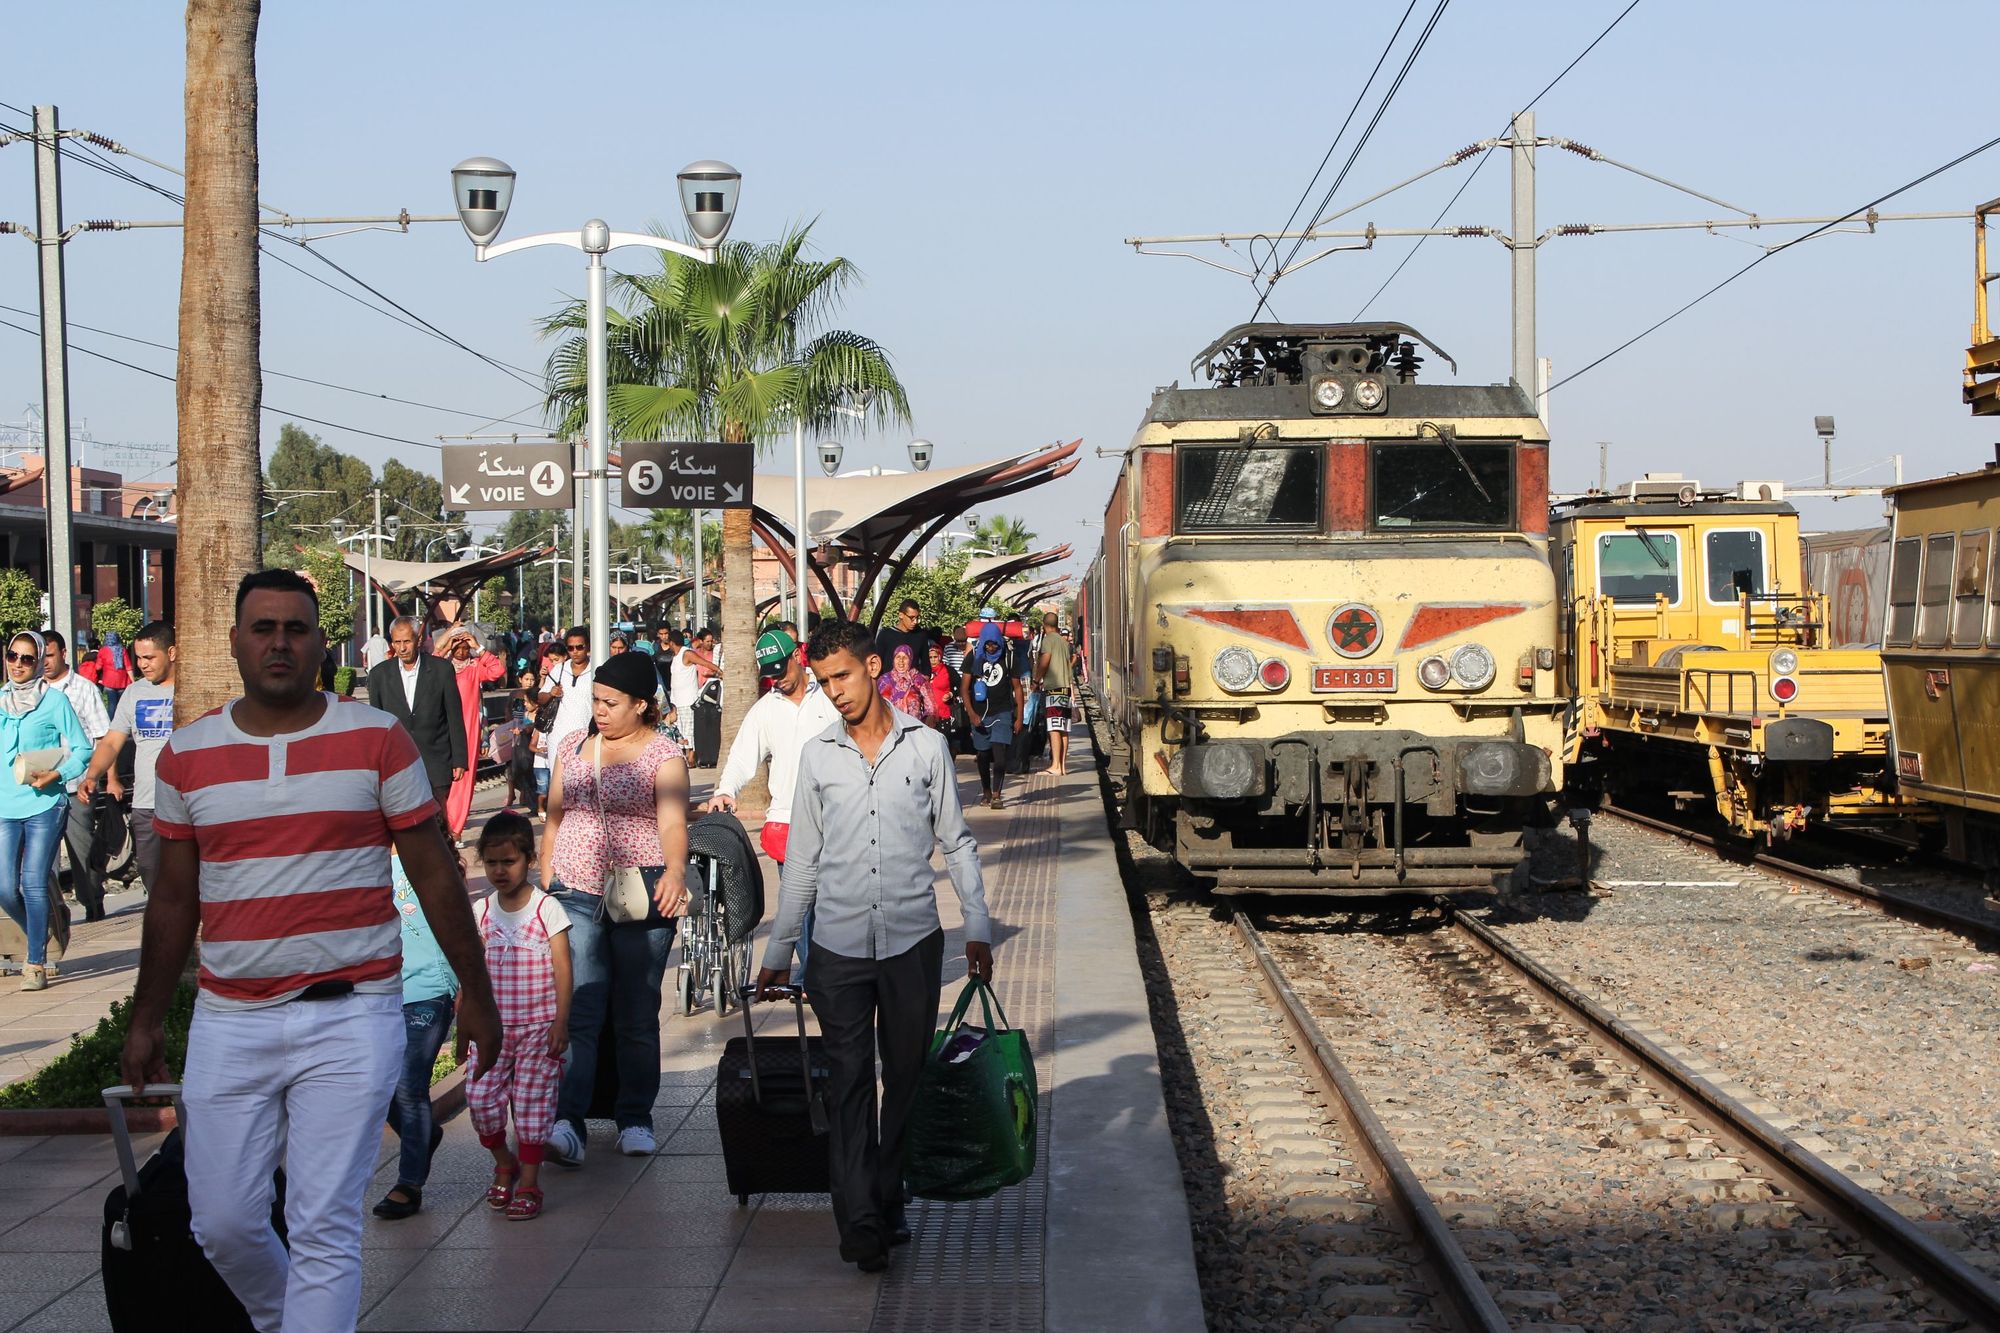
x,y
618,798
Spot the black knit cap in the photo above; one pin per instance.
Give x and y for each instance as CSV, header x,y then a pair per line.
x,y
629,673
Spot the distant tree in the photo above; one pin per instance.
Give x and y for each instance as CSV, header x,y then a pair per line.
x,y
20,602
301,465
1005,534
327,568
116,615
941,592
492,610
418,499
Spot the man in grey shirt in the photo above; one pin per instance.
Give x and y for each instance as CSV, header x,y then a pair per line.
x,y
874,796
145,717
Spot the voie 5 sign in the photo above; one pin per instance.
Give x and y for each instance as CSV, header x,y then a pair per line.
x,y
686,475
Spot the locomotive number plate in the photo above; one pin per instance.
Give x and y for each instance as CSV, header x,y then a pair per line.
x,y
1350,679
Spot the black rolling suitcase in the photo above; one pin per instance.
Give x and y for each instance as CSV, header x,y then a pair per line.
x,y
153,1266
771,1109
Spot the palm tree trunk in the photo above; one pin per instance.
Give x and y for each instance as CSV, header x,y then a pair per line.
x,y
219,384
739,641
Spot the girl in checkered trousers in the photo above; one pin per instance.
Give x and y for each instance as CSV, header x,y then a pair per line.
x,y
527,955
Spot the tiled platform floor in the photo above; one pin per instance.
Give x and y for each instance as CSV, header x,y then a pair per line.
x,y
658,1243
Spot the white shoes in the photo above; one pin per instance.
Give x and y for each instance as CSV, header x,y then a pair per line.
x,y
637,1141
565,1145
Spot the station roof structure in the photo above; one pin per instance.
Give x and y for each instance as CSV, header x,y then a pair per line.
x,y
1030,593
984,573
434,579
876,523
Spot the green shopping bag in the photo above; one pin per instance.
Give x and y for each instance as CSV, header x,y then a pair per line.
x,y
972,1131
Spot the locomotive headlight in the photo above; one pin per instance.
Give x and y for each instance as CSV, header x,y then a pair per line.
x,y
1368,393
1472,667
1784,662
1275,674
1434,673
1328,393
1234,668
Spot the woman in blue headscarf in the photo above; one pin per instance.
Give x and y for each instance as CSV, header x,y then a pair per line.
x,y
36,723
994,705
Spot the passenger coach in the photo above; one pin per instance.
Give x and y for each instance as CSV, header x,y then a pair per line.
x,y
1324,621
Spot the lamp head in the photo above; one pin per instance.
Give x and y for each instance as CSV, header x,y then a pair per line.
x,y
391,526
920,455
339,528
1824,426
829,456
708,197
482,189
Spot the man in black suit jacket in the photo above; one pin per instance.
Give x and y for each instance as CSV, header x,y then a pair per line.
x,y
419,691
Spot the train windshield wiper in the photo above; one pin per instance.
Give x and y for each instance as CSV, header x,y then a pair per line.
x,y
1653,547
1449,439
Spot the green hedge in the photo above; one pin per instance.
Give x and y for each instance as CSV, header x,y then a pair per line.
x,y
79,1076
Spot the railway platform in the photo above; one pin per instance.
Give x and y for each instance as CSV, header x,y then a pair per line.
x,y
1097,1239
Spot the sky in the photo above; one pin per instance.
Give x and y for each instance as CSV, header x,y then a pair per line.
x,y
983,166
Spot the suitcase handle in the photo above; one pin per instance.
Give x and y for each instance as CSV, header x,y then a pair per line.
x,y
815,1105
121,1137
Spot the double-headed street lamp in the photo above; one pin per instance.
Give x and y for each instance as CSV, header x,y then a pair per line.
x,y
483,188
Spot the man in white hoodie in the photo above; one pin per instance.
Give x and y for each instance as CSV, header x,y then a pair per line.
x,y
776,728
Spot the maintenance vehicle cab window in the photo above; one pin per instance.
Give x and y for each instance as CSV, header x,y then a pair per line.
x,y
1903,565
1263,488
1639,566
1735,563
1441,488
1933,607
1968,590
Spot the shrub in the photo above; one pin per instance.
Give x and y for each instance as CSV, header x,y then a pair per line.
x,y
20,602
116,615
343,681
78,1077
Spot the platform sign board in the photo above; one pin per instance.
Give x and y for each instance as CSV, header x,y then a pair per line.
x,y
507,476
682,475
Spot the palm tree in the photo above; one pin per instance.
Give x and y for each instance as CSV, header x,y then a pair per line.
x,y
1004,534
732,351
218,389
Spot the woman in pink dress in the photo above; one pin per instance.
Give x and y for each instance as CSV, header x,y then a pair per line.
x,y
476,669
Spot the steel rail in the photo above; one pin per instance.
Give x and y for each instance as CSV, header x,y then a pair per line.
x,y
1982,932
1971,1293
1472,1308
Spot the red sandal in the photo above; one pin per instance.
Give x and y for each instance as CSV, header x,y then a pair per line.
x,y
499,1197
526,1205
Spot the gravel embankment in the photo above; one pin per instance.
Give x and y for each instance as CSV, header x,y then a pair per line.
x,y
1881,1039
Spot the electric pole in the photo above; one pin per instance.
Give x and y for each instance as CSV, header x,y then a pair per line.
x,y
49,240
1523,245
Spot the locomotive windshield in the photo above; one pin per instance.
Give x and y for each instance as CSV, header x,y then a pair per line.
x,y
1234,489
1455,487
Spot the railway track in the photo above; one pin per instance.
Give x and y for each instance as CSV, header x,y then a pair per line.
x,y
1978,930
1718,1174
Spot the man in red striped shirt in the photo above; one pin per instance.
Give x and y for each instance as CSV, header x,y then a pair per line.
x,y
275,815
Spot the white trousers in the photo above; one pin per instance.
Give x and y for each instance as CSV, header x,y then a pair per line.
x,y
309,1082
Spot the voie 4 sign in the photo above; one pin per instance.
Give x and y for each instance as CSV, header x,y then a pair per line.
x,y
686,475
507,476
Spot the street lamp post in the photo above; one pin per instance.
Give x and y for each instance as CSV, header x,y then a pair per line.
x,y
483,188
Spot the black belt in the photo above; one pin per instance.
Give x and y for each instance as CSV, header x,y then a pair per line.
x,y
326,990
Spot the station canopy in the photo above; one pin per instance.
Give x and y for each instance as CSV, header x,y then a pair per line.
x,y
876,523
436,580
984,573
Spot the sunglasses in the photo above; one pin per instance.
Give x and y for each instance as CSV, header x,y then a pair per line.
x,y
577,647
13,656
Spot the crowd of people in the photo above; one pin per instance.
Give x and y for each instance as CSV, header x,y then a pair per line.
x,y
321,1012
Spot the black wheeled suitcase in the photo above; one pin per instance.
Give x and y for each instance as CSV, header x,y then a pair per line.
x,y
770,1108
153,1266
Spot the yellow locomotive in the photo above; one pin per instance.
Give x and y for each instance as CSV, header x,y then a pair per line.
x,y
1941,655
1323,618
1700,663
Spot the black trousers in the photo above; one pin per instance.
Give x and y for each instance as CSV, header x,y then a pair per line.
x,y
862,1003
707,732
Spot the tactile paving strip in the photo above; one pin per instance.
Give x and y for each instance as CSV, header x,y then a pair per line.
x,y
978,1266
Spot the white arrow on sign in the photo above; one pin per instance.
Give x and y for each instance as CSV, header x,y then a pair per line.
x,y
731,494
547,478
646,477
461,494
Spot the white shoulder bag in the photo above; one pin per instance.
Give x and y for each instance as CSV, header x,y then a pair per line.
x,y
626,897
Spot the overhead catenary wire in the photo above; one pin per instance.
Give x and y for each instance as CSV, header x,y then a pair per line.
x,y
302,379
1773,253
1474,173
268,407
1381,109
80,152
